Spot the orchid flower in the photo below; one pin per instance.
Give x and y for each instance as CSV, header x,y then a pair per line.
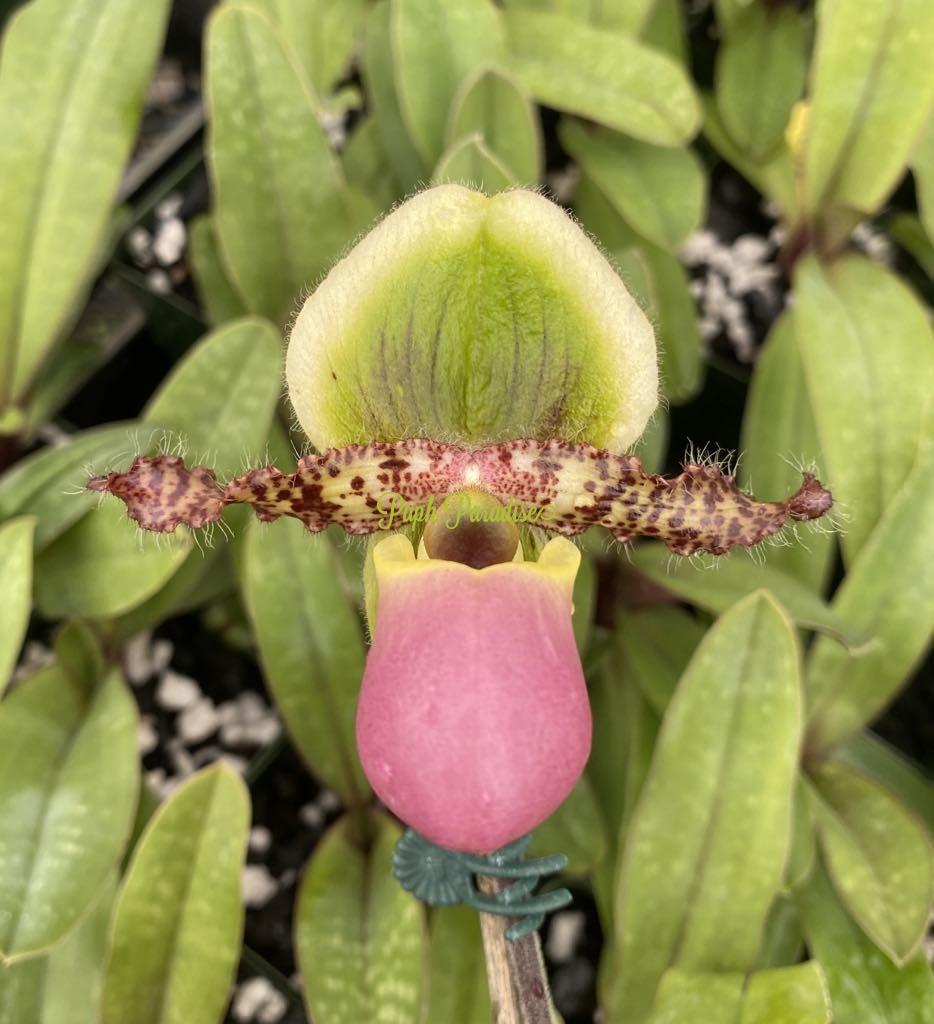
x,y
471,374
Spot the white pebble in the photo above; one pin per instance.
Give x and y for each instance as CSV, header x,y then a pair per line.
x,y
260,839
310,815
176,692
137,661
169,243
247,721
259,886
258,1000
147,739
328,800
198,721
564,934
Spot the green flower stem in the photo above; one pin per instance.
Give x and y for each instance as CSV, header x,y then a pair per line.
x,y
519,992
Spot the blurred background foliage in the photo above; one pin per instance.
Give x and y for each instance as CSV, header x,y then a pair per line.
x,y
745,846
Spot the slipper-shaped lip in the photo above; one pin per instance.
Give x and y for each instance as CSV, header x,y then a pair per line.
x,y
473,723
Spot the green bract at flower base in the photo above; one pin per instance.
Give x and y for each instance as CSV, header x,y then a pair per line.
x,y
475,319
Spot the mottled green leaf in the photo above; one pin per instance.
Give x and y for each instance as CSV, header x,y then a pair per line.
x,y
761,66
322,33
872,755
787,995
404,159
888,593
628,16
436,44
64,986
782,939
73,77
659,284
16,574
656,645
68,783
282,210
657,190
624,732
364,159
179,917
734,575
575,829
773,176
922,166
803,842
907,231
215,289
457,988
359,936
219,399
492,104
606,76
878,857
868,355
685,996
584,600
865,986
724,770
470,162
779,434
310,645
872,84
49,484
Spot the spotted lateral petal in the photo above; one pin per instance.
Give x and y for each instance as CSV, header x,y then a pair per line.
x,y
568,487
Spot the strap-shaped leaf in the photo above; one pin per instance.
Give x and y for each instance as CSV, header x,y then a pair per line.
x,y
63,986
469,161
697,896
311,648
492,103
212,279
694,996
868,355
871,92
16,573
878,856
360,937
888,593
779,429
407,165
322,34
660,285
219,399
178,920
606,76
68,785
71,90
865,986
457,986
761,66
35,486
787,995
436,44
575,829
657,190
738,575
282,209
